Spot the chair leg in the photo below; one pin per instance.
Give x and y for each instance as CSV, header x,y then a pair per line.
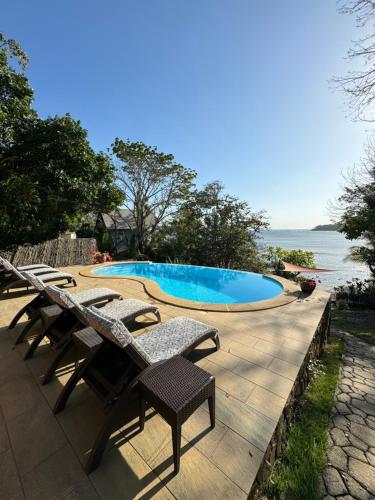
x,y
69,387
25,330
34,344
216,340
55,363
211,407
157,314
18,316
142,412
176,439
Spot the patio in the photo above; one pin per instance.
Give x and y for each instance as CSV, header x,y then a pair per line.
x,y
41,456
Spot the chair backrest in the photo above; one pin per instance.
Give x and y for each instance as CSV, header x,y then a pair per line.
x,y
116,332
34,280
61,297
9,267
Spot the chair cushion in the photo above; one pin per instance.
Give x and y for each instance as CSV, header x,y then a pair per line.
x,y
61,297
111,328
128,308
172,337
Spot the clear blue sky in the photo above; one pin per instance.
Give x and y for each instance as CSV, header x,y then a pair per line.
x,y
237,90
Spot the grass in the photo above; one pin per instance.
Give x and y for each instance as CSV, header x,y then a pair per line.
x,y
296,474
358,322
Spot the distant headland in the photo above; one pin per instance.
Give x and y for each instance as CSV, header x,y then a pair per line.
x,y
325,227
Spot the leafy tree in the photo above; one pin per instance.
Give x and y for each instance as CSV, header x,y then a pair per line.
x,y
213,229
359,85
16,96
274,256
153,184
49,174
356,209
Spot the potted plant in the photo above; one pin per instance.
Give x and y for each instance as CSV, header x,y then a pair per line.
x,y
307,285
101,257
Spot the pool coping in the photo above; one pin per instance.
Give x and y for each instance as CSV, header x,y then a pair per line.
x,y
290,293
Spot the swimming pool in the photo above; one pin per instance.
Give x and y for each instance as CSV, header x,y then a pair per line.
x,y
201,284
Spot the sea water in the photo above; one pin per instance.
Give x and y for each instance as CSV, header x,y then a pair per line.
x,y
330,249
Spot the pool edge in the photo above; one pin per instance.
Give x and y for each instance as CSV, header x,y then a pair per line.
x,y
290,293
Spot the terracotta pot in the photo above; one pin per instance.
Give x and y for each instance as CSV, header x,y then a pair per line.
x,y
308,286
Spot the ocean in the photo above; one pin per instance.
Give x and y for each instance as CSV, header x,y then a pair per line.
x,y
329,247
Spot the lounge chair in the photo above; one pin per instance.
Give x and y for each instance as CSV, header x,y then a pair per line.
x,y
32,309
65,317
17,279
114,359
34,268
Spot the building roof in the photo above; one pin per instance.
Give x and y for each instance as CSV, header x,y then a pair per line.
x,y
122,218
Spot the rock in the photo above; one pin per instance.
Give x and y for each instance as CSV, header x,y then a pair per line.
x,y
343,398
365,388
371,459
366,434
338,458
356,490
363,473
357,443
355,453
339,437
342,409
322,492
341,422
356,418
356,411
364,406
334,484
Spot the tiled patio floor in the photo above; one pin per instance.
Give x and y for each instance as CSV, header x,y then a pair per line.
x,y
41,456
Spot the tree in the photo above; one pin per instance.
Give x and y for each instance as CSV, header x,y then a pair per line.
x,y
49,174
213,229
359,85
355,212
153,184
16,96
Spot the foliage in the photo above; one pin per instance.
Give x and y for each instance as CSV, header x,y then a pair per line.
x,y
154,186
16,96
274,255
296,475
357,292
212,229
359,85
356,209
49,174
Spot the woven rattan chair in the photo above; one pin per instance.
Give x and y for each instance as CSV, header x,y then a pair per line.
x,y
114,359
66,316
17,279
33,309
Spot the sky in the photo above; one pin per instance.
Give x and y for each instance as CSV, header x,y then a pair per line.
x,y
236,89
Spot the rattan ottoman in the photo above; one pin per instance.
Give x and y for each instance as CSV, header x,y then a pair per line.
x,y
176,388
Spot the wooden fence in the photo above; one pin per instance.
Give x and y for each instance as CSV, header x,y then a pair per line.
x,y
56,253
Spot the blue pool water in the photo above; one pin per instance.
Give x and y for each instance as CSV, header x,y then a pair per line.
x,y
201,284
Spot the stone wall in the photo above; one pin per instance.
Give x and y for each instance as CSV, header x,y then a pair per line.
x,y
280,435
56,253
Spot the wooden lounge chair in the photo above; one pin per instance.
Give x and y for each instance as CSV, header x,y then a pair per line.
x,y
33,308
17,279
114,360
66,316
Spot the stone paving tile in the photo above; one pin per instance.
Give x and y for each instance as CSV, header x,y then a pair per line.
x,y
350,472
